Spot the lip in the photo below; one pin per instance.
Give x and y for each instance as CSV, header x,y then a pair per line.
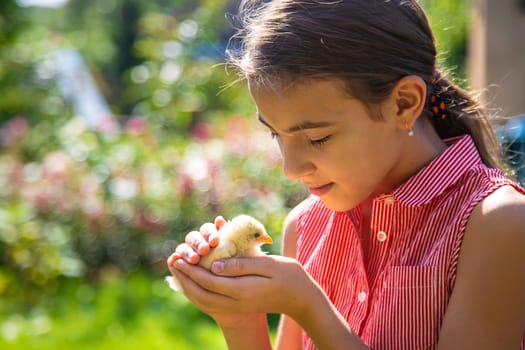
x,y
320,190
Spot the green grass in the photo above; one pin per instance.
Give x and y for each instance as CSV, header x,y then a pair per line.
x,y
123,312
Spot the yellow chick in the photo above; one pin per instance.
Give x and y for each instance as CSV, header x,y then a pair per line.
x,y
240,237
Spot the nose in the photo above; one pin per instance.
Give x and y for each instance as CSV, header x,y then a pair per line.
x,y
296,163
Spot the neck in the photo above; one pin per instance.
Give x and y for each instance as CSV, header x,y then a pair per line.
x,y
418,151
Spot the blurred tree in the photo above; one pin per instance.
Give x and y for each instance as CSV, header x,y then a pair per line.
x,y
449,20
10,21
21,91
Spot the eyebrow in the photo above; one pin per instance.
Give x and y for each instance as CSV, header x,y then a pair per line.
x,y
298,127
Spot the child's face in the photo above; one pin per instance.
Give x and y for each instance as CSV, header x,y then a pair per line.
x,y
329,142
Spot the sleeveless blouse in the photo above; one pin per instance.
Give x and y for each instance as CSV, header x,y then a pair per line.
x,y
397,298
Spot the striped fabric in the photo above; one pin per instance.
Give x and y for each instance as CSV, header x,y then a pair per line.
x,y
397,298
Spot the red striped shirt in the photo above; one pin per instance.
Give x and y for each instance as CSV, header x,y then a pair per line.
x,y
398,300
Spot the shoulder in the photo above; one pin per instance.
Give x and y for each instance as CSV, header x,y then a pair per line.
x,y
290,228
500,214
495,231
495,227
489,289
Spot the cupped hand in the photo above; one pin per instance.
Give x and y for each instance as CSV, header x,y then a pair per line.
x,y
264,284
198,243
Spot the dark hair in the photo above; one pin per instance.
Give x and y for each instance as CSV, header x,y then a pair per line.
x,y
367,44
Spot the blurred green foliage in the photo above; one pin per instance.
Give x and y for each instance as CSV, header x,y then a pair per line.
x,y
77,202
133,313
449,21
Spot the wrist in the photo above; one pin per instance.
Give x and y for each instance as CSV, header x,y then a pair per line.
x,y
240,322
250,331
305,307
321,320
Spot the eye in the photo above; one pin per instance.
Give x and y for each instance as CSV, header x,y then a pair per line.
x,y
257,235
320,142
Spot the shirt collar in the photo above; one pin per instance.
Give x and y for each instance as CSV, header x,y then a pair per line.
x,y
440,173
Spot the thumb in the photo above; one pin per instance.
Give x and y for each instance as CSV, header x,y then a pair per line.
x,y
232,267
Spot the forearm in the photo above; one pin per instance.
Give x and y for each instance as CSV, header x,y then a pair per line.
x,y
251,334
325,325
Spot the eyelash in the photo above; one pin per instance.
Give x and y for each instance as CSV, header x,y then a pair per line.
x,y
318,142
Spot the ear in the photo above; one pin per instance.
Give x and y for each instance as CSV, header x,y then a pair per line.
x,y
409,97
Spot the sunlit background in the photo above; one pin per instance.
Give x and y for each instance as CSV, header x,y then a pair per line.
x,y
120,131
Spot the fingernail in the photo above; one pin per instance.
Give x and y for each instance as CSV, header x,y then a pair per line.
x,y
213,241
178,263
172,259
201,246
217,266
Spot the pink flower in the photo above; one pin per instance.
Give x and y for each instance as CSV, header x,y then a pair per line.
x,y
201,132
107,123
14,130
214,168
57,166
149,222
15,174
186,185
94,208
237,136
136,126
36,195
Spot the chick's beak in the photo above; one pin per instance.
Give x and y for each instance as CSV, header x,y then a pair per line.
x,y
265,239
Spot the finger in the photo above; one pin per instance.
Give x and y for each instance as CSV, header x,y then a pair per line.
x,y
183,281
198,242
200,286
171,259
210,234
176,271
205,279
219,222
185,252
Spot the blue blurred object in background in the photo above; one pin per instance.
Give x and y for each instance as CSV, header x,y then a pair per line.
x,y
42,3
512,136
79,88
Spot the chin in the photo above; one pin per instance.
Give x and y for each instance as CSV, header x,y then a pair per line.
x,y
338,204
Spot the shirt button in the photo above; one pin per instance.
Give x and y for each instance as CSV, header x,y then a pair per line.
x,y
381,236
389,200
361,297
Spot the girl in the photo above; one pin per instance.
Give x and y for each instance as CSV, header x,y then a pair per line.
x,y
412,238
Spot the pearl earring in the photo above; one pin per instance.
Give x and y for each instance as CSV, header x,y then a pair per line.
x,y
410,131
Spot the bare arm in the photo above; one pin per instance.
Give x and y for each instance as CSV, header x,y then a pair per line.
x,y
487,306
289,332
253,334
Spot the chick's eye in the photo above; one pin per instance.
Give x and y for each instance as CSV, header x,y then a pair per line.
x,y
257,235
